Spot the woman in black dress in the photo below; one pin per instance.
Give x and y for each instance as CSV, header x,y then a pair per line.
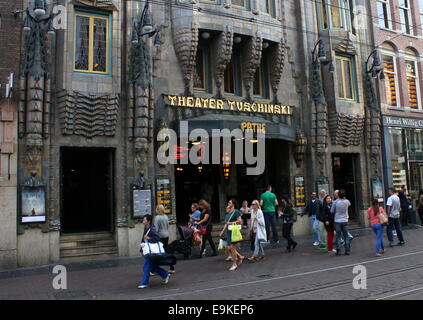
x,y
206,217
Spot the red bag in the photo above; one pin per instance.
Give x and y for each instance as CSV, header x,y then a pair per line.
x,y
202,231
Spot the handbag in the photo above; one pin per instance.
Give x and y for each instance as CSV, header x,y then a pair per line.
x,y
151,248
236,235
223,244
383,218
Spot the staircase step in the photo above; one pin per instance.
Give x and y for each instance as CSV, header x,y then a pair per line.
x,y
88,250
93,256
86,236
86,243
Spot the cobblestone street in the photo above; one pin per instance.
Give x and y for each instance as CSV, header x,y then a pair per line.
x,y
307,273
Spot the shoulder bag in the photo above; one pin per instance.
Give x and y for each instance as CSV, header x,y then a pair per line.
x,y
383,218
151,248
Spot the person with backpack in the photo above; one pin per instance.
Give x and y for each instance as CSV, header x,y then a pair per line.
x,y
374,214
393,205
328,220
151,235
288,216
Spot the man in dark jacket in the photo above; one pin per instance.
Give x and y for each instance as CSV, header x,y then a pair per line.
x,y
402,195
312,209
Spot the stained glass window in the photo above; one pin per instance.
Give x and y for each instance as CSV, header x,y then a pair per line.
x,y
91,43
345,77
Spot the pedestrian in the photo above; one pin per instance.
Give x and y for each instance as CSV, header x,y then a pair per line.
x,y
402,195
328,221
232,220
321,227
373,214
257,231
206,217
420,209
393,206
288,222
161,222
246,215
268,202
312,209
340,211
336,197
194,216
151,235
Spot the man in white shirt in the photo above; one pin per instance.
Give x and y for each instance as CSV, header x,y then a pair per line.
x,y
393,206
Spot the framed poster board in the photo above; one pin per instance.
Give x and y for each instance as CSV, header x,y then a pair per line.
x,y
141,202
163,195
299,185
377,189
33,204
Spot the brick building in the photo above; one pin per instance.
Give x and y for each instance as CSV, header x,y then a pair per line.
x,y
398,36
10,39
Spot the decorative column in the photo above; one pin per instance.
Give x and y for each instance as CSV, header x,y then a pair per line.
x,y
224,46
252,62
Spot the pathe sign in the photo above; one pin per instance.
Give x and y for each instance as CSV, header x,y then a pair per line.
x,y
219,104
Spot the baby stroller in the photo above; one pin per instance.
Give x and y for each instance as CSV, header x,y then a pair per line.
x,y
184,244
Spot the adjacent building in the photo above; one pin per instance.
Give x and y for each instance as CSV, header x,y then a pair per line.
x,y
398,34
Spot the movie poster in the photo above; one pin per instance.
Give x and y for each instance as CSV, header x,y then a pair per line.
x,y
33,204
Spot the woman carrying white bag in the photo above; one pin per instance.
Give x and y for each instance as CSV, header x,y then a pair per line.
x,y
257,231
151,245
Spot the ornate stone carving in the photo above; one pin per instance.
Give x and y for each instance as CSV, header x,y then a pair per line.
x,y
278,62
346,46
33,181
185,40
346,130
224,53
252,61
88,115
139,67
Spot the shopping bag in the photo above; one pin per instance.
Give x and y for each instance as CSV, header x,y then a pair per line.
x,y
222,245
236,235
151,248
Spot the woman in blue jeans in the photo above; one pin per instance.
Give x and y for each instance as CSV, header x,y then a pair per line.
x,y
373,214
151,235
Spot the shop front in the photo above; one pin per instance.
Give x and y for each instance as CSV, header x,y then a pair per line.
x,y
403,153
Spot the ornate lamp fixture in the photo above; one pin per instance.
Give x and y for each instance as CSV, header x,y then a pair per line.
x,y
319,57
376,67
145,27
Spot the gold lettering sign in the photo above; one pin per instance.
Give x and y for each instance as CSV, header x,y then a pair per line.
x,y
219,104
255,127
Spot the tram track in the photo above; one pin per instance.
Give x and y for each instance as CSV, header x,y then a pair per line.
x,y
341,283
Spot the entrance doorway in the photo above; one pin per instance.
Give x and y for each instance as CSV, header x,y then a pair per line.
x,y
344,177
86,190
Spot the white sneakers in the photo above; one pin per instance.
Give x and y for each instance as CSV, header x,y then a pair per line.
x,y
316,243
166,280
142,287
229,258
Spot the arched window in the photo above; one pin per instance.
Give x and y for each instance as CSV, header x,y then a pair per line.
x,y
391,75
412,76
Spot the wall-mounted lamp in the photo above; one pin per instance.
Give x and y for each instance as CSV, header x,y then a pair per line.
x,y
319,57
376,67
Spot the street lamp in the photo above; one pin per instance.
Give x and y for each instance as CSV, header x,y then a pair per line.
x,y
145,26
319,57
39,10
376,67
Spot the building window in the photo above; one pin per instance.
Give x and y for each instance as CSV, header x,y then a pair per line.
x,y
383,14
245,4
211,1
201,69
389,67
335,14
412,83
91,43
404,6
345,77
260,85
270,7
232,75
421,12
